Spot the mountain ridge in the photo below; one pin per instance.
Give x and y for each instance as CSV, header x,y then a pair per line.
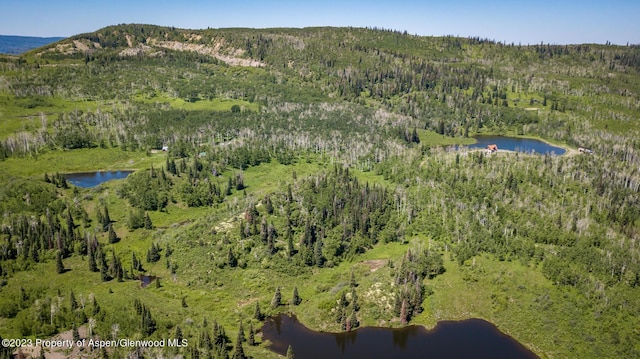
x,y
16,44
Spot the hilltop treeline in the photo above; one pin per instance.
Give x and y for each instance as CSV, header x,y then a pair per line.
x,y
453,86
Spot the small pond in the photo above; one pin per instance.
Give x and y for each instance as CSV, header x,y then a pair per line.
x,y
472,338
92,179
145,280
517,144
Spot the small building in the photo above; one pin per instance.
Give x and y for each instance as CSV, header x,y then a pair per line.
x,y
165,148
492,149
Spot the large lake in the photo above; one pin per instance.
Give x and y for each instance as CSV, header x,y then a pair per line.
x,y
92,179
517,144
472,338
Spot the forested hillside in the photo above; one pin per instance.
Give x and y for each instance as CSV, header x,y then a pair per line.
x,y
322,172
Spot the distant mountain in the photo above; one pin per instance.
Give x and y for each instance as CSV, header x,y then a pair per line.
x,y
15,45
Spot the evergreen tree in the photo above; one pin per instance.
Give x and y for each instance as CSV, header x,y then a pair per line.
x,y
178,335
153,254
296,298
59,264
397,306
74,332
414,136
148,324
73,303
147,221
264,230
242,227
137,265
100,217
136,219
353,320
290,354
70,225
106,219
257,314
104,267
252,340
104,273
35,256
343,303
317,253
115,269
354,300
277,298
404,312
171,167
241,336
23,298
240,181
113,237
232,261
194,351
290,248
229,187
239,353
205,340
268,205
92,260
95,307
271,236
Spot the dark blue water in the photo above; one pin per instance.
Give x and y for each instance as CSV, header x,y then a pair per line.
x,y
145,280
517,144
473,338
92,179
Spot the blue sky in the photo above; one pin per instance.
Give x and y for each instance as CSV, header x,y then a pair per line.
x,y
529,22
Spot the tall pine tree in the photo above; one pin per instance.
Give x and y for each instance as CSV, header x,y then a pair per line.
x,y
296,298
277,298
59,265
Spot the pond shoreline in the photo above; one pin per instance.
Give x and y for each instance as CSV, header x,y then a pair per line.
x,y
427,326
95,178
521,144
480,336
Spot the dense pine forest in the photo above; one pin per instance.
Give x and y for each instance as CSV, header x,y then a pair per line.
x,y
322,172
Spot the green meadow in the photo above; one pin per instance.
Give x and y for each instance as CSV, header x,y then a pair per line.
x,y
320,170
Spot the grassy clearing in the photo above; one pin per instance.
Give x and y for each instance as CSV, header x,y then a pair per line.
x,y
216,104
514,297
80,160
27,113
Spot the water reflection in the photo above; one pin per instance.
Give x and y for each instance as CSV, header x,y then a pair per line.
x,y
348,338
92,179
528,145
472,338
